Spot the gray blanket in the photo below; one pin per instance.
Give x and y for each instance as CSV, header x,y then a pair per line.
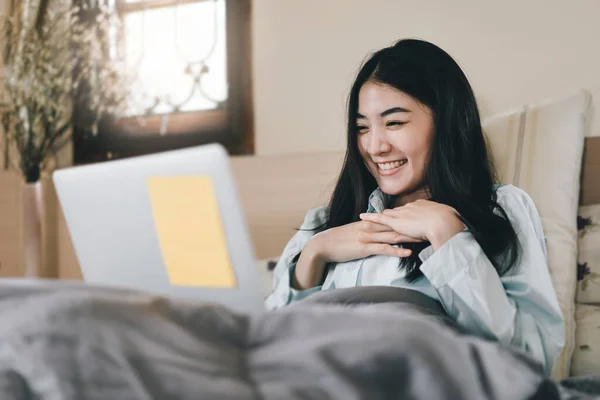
x,y
72,341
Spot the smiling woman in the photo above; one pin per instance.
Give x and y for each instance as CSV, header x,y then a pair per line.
x,y
190,61
417,206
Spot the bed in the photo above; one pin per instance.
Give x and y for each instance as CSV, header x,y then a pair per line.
x,y
276,191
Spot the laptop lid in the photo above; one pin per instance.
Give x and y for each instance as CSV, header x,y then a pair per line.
x,y
168,223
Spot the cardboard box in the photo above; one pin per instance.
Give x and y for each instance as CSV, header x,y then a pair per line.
x,y
12,227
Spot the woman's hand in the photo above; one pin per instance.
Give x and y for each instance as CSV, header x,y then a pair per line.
x,y
344,243
424,220
359,240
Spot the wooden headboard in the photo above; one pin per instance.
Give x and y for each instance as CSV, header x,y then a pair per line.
x,y
590,179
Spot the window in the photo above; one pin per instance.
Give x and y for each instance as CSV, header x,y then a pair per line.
x,y
192,79
189,48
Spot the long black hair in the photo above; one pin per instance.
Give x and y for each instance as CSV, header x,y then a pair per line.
x,y
459,173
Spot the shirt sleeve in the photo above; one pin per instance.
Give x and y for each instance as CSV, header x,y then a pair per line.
x,y
283,293
520,308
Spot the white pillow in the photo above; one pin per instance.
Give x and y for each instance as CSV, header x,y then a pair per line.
x,y
539,148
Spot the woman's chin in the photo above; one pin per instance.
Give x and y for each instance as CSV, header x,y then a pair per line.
x,y
391,189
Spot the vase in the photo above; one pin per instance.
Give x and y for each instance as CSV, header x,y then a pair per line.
x,y
32,217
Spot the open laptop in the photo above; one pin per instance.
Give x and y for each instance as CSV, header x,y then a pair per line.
x,y
168,223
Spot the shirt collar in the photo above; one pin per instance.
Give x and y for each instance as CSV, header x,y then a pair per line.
x,y
378,201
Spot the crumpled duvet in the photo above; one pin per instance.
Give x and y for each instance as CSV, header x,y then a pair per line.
x,y
74,341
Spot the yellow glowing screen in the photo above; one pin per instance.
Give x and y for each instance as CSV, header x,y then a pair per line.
x,y
190,231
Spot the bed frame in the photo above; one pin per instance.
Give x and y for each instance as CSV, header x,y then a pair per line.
x,y
590,176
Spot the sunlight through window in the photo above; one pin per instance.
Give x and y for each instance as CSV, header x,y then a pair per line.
x,y
177,54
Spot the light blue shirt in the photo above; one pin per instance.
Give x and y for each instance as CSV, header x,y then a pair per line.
x,y
518,309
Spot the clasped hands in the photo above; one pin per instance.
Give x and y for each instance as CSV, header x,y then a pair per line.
x,y
377,234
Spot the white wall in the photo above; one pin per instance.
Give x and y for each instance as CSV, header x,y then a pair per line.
x,y
305,54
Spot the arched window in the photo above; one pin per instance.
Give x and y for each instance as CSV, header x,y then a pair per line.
x,y
191,67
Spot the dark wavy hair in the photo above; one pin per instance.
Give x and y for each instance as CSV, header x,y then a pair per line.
x,y
459,173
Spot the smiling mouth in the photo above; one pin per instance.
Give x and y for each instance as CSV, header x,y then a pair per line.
x,y
389,168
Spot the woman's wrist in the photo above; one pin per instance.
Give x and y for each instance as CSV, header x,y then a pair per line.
x,y
309,268
445,230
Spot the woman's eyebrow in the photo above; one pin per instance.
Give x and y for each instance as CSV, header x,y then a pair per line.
x,y
394,110
386,112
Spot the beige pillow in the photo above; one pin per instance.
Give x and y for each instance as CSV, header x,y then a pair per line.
x,y
588,266
586,357
538,148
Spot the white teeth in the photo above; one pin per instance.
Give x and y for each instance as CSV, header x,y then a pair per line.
x,y
391,165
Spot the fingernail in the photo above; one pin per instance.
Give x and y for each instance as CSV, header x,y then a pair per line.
x,y
406,252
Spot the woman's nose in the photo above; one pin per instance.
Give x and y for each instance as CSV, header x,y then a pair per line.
x,y
378,143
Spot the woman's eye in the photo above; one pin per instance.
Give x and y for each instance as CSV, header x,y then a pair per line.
x,y
361,128
395,123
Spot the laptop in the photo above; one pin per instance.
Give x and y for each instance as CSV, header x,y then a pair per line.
x,y
168,223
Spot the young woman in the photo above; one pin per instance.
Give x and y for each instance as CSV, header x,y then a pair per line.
x,y
416,206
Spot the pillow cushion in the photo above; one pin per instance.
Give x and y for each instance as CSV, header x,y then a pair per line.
x,y
588,266
586,357
539,148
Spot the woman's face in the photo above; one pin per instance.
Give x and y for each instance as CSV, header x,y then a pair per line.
x,y
394,138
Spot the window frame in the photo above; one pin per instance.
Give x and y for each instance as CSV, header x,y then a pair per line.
x,y
230,125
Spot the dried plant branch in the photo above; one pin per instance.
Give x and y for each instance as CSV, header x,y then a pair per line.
x,y
58,62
